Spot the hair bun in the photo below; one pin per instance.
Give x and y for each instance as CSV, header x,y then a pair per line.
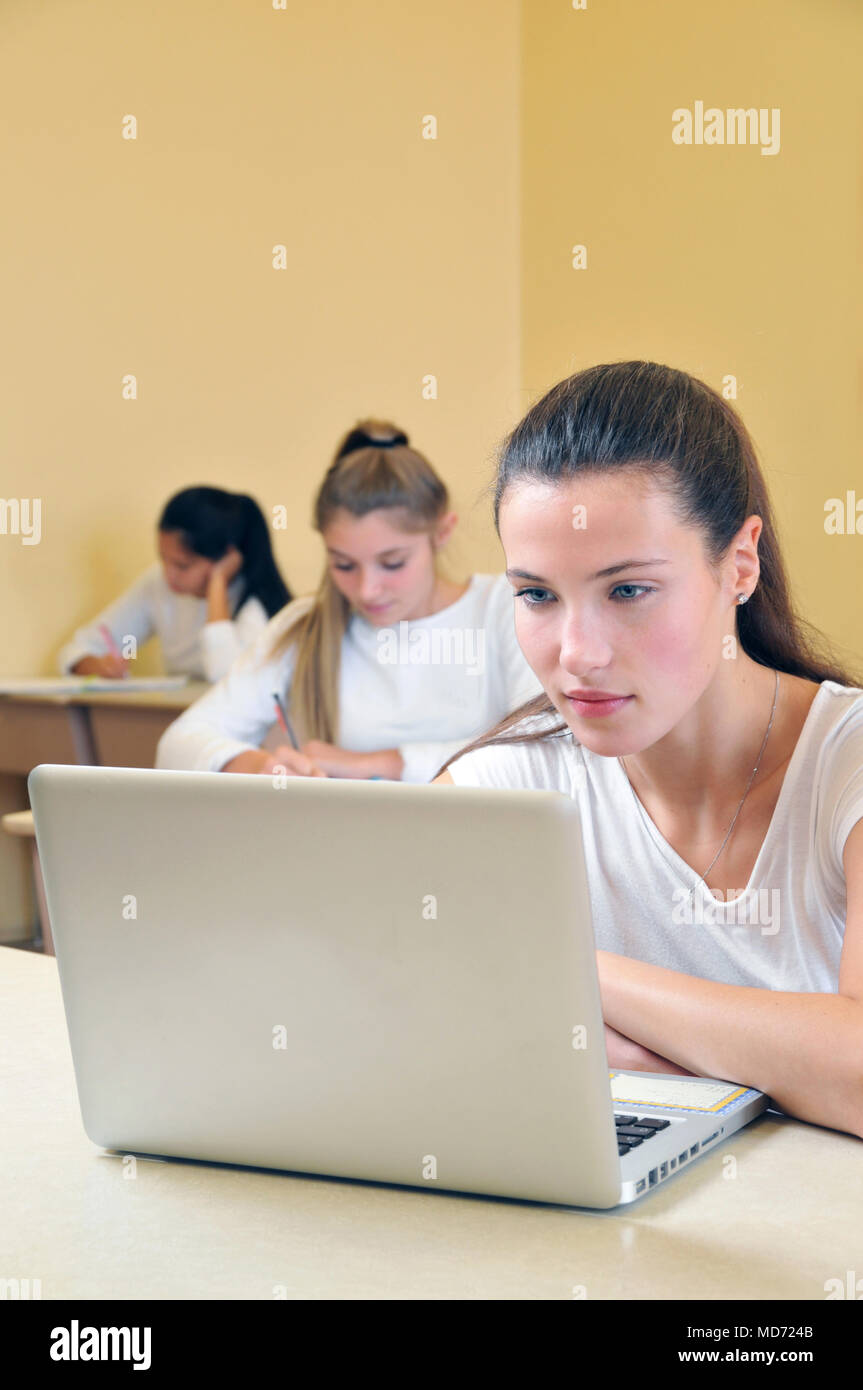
x,y
388,441
372,434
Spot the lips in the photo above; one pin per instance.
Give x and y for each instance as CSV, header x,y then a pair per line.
x,y
594,695
592,704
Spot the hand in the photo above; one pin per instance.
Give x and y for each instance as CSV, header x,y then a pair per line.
x,y
224,570
111,667
340,762
287,760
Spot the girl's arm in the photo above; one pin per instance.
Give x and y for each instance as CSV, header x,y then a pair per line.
x,y
130,615
626,1055
803,1050
342,762
236,715
224,640
221,574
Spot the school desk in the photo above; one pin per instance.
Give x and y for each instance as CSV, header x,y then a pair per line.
x,y
787,1222
126,728
120,730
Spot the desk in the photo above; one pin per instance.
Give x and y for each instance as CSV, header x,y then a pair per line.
x,y
790,1220
119,730
98,727
125,729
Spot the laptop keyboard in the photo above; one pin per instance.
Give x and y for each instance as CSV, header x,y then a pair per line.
x,y
633,1130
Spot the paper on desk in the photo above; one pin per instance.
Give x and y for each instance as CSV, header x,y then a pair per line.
x,y
677,1092
83,685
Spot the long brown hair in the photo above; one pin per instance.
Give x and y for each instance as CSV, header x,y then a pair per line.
x,y
674,430
374,467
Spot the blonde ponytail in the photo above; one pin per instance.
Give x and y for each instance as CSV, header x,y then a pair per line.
x,y
374,467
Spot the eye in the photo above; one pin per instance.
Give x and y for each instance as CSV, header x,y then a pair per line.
x,y
630,597
396,565
344,568
532,602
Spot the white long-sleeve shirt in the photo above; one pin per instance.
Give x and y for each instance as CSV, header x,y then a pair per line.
x,y
784,929
426,687
190,645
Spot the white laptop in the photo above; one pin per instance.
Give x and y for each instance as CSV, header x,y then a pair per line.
x,y
371,980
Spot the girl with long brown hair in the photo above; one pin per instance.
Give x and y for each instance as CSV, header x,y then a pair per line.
x,y
715,752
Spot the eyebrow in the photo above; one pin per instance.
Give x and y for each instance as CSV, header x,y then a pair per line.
x,y
600,574
397,550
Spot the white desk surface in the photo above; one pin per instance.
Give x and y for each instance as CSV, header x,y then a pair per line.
x,y
791,1219
179,698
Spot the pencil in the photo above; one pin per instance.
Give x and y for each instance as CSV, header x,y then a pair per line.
x,y
285,722
112,645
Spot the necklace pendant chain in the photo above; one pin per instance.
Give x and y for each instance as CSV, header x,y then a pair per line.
x,y
702,877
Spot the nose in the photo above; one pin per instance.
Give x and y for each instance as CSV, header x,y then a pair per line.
x,y
582,646
370,587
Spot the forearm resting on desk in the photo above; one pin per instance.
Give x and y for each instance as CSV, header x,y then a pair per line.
x,y
804,1050
626,1055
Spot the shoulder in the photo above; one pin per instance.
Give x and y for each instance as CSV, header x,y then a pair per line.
x,y
492,597
281,623
833,739
252,611
493,588
543,760
834,726
834,733
153,579
273,646
152,587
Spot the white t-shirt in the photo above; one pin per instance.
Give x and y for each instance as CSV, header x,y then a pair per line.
x,y
425,687
190,645
786,929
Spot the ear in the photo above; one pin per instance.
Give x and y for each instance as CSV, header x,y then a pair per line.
x,y
444,530
743,567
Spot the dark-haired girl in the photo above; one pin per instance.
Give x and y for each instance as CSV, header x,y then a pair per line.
x,y
716,756
213,593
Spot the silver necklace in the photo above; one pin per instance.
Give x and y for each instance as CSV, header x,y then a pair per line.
x,y
643,813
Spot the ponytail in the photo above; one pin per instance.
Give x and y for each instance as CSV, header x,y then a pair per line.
x,y
374,467
260,573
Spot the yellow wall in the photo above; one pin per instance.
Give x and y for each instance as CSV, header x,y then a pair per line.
x,y
715,259
406,256
153,257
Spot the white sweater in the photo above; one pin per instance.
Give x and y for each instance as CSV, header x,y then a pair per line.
x,y
426,687
190,645
786,929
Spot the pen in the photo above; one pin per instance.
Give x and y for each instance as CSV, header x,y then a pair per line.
x,y
285,722
112,645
